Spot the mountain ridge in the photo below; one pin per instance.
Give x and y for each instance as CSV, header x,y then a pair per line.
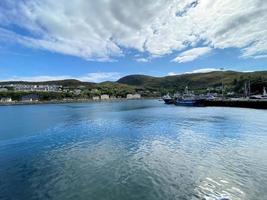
x,y
232,80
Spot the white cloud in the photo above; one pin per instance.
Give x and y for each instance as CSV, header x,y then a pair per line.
x,y
172,74
260,56
144,60
204,70
102,29
90,77
192,54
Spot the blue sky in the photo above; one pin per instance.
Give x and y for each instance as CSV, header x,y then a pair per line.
x,y
105,40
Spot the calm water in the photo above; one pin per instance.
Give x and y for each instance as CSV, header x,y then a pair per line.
x,y
132,150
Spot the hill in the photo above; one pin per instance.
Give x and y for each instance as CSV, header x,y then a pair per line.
x,y
66,82
233,81
155,86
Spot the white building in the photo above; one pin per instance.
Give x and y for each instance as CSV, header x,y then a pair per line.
x,y
112,97
6,99
104,97
95,98
133,96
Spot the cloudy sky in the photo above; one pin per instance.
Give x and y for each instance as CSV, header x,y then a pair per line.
x,y
105,39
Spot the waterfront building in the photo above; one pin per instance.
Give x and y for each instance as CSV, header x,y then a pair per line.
x,y
104,97
133,96
95,98
6,99
30,98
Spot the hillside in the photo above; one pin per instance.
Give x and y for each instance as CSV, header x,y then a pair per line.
x,y
67,82
156,86
233,81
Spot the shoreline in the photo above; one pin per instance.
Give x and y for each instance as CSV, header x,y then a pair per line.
x,y
20,103
249,103
237,103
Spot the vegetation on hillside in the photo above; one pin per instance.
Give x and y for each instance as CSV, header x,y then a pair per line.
x,y
149,86
199,82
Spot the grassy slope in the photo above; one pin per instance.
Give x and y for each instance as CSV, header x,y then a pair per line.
x,y
232,80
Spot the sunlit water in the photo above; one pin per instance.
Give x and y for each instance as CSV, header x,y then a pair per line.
x,y
132,150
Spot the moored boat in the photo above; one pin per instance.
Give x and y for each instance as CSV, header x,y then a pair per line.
x,y
186,102
187,99
263,96
168,99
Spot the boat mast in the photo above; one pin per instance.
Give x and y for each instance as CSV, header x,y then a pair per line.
x,y
222,82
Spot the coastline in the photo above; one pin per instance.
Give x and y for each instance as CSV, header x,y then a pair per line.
x,y
238,103
21,103
248,103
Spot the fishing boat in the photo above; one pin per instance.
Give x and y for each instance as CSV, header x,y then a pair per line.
x,y
168,99
264,95
187,99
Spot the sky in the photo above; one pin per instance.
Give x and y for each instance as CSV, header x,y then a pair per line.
x,y
104,40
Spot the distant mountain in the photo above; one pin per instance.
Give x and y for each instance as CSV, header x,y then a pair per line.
x,y
67,82
151,86
198,81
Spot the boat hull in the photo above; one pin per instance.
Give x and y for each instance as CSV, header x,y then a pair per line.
x,y
186,103
168,101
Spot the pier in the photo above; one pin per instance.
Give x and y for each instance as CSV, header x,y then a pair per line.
x,y
241,103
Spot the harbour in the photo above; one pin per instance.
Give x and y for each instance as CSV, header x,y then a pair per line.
x,y
138,149
188,98
133,100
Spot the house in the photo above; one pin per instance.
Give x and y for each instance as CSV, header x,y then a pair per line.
x,y
113,97
6,99
104,97
133,96
137,96
95,98
129,96
30,97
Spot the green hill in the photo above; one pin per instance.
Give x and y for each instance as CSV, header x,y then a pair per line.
x,y
233,81
149,86
67,82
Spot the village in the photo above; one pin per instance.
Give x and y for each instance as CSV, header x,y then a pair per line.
x,y
35,93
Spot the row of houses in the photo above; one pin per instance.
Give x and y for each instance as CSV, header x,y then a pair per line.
x,y
30,88
133,96
38,88
25,98
107,97
35,97
5,100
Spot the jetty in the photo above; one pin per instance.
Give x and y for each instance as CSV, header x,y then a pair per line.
x,y
241,103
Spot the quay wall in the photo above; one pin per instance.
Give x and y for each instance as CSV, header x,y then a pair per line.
x,y
258,104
